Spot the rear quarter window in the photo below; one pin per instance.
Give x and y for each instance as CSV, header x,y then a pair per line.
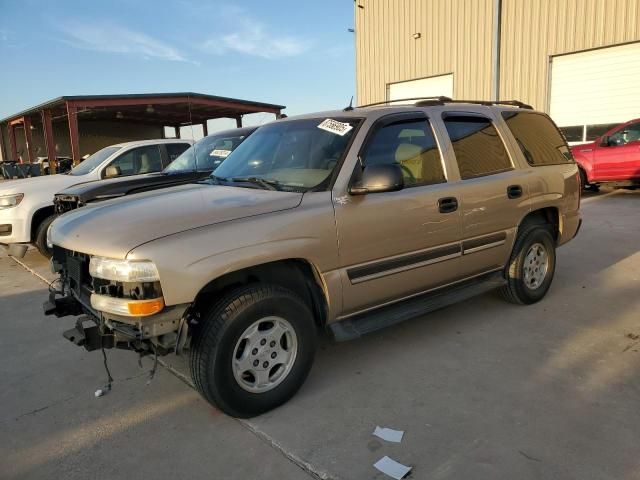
x,y
538,137
174,150
477,146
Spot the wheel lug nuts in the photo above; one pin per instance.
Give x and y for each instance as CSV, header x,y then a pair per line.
x,y
263,341
265,364
274,355
256,363
272,344
254,351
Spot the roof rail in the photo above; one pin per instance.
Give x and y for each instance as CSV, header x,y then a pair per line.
x,y
426,99
512,103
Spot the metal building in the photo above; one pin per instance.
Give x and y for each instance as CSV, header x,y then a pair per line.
x,y
579,60
75,126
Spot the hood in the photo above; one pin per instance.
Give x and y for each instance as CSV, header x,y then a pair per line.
x,y
114,227
42,185
114,187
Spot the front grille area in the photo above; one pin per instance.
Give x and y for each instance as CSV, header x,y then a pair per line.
x,y
65,203
76,269
5,230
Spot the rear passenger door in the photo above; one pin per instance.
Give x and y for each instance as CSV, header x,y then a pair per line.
x,y
395,244
492,193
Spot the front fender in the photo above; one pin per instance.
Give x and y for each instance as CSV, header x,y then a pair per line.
x,y
585,163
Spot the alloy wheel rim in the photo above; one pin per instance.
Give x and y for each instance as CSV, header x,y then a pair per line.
x,y
536,266
264,354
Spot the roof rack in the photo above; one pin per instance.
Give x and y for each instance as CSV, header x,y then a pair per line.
x,y
425,99
438,101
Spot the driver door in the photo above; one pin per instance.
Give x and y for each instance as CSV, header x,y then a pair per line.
x,y
620,159
139,160
396,244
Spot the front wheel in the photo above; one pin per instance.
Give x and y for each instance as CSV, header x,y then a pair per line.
x,y
253,350
41,236
531,266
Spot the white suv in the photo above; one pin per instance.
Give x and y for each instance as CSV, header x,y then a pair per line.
x,y
26,206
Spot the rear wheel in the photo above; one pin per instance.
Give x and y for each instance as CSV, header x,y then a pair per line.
x,y
253,350
41,236
531,266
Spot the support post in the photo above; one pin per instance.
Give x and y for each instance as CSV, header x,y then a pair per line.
x,y
495,50
3,148
72,119
177,130
26,122
48,141
12,142
205,129
239,121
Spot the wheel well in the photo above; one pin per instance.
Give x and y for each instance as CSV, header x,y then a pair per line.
x,y
297,275
38,217
547,215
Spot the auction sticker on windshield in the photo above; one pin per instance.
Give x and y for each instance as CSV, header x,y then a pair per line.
x,y
334,126
220,153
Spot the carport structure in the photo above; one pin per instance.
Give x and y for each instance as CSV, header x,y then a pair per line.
x,y
75,125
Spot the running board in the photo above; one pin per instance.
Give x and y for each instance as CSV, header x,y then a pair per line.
x,y
358,325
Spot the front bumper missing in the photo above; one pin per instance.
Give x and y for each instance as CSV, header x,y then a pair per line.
x,y
164,332
88,337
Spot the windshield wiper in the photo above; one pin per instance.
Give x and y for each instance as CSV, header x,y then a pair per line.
x,y
262,182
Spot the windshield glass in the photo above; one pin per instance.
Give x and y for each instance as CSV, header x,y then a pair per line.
x,y
295,154
94,161
206,154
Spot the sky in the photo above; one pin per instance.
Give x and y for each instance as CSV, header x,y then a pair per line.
x,y
297,53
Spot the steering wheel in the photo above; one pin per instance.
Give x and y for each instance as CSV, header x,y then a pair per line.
x,y
409,173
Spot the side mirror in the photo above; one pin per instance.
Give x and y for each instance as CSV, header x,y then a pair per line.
x,y
377,179
112,171
604,141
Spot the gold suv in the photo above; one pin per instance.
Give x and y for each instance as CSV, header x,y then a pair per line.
x,y
348,220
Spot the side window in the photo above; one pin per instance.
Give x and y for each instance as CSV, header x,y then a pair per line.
x,y
410,145
628,134
138,160
539,139
175,149
478,147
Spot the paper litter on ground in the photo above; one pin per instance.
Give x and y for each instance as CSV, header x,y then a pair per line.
x,y
388,434
392,468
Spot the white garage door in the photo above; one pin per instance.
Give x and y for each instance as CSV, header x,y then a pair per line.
x,y
442,85
592,90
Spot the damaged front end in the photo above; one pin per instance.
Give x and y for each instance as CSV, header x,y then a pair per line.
x,y
112,313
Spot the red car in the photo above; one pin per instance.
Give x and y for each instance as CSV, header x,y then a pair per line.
x,y
613,158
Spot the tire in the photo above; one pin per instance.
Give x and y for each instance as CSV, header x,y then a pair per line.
x,y
220,341
41,236
584,183
521,287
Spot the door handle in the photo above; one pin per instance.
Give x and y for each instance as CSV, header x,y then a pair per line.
x,y
448,204
514,191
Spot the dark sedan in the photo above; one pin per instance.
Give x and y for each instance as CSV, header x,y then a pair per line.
x,y
193,164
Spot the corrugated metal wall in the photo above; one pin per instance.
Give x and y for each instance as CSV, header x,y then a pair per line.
x,y
455,38
533,30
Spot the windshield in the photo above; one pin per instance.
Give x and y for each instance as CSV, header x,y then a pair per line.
x,y
294,155
206,154
91,163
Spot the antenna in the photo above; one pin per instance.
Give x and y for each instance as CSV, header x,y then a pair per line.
x,y
350,107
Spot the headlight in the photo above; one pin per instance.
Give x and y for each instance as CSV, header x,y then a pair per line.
x,y
10,201
123,270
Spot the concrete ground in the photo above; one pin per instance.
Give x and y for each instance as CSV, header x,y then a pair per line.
x,y
483,389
